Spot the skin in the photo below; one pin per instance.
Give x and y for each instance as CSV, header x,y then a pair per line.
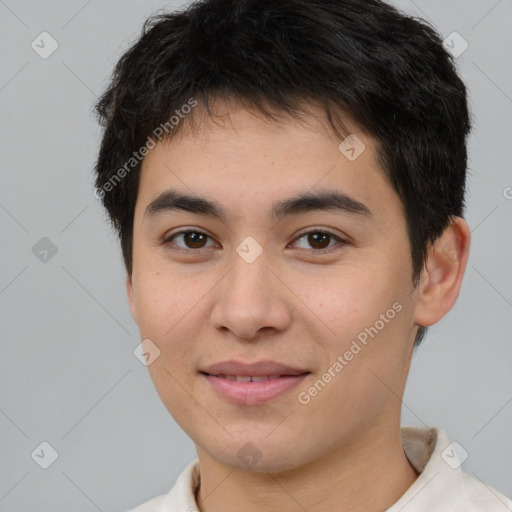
x,y
342,450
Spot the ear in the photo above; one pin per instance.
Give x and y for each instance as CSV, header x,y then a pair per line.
x,y
130,296
443,272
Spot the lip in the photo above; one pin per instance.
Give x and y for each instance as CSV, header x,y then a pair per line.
x,y
252,393
258,369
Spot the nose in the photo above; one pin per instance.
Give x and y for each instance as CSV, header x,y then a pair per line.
x,y
251,299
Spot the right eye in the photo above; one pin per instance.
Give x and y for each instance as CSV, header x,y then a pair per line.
x,y
192,239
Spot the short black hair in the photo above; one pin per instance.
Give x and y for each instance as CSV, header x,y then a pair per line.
x,y
362,60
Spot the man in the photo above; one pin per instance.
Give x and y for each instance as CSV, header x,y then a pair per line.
x,y
287,180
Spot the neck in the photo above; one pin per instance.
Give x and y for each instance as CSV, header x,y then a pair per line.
x,y
370,473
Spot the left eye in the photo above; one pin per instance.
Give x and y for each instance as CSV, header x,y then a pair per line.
x,y
194,239
317,239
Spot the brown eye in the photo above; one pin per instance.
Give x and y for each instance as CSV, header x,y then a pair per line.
x,y
194,240
317,240
320,241
191,239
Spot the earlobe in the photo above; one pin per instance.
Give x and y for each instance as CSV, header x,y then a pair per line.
x,y
443,273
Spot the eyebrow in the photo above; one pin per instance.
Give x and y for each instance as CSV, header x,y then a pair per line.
x,y
333,201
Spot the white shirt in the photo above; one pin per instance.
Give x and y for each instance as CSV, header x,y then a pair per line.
x,y
442,486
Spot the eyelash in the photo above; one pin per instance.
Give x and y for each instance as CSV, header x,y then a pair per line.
x,y
328,250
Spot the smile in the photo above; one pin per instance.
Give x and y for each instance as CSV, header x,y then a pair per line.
x,y
252,390
247,378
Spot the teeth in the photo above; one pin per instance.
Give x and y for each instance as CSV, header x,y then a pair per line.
x,y
258,379
247,378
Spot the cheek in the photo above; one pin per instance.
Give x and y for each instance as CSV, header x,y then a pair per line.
x,y
368,314
347,300
375,354
164,299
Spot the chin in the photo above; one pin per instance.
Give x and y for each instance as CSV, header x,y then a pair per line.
x,y
258,457
273,464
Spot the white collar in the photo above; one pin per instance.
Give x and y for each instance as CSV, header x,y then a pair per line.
x,y
442,486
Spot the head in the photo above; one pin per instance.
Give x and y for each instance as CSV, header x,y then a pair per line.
x,y
247,105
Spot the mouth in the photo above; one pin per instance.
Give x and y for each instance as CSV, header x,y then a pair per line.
x,y
267,368
251,390
246,378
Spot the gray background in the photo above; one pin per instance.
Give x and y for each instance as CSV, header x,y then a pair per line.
x,y
68,375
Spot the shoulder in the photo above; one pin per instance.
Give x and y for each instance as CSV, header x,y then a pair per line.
x,y
442,484
480,496
180,497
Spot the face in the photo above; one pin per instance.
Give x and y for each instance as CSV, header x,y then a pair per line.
x,y
321,287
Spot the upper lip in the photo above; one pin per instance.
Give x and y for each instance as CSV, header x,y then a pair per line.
x,y
258,369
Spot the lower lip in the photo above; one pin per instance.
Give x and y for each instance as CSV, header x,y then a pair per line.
x,y
253,393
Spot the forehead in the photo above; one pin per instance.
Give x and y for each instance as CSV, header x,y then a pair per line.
x,y
238,158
